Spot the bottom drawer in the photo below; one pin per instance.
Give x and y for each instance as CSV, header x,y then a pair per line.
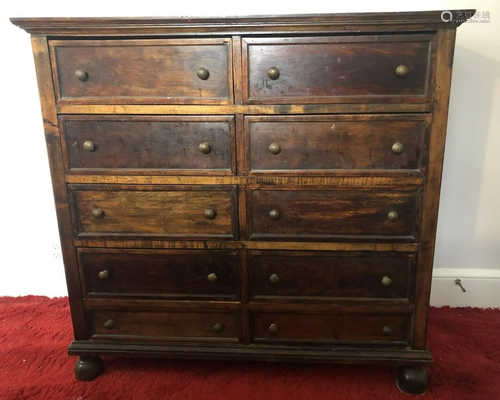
x,y
166,325
278,327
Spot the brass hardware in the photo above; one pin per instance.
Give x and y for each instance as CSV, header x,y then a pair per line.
x,y
81,75
203,73
204,148
212,278
88,145
401,70
274,278
459,283
273,73
386,330
97,213
273,328
209,213
393,216
274,148
104,274
217,328
109,324
386,281
397,148
274,214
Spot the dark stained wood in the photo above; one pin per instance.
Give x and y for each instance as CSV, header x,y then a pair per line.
x,y
309,276
170,274
338,69
125,145
331,215
144,71
312,143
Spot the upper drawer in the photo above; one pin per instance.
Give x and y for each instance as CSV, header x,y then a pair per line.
x,y
156,145
338,69
159,71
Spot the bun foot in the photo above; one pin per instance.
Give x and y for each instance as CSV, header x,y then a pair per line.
x,y
412,380
88,368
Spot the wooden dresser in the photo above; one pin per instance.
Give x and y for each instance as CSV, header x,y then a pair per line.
x,y
260,188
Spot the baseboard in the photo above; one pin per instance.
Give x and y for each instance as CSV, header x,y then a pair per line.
x,y
482,287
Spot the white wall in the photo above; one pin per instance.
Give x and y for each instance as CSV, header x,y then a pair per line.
x,y
468,244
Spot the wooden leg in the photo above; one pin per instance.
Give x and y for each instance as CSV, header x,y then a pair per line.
x,y
88,368
412,380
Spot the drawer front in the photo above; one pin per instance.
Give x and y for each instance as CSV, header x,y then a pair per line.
x,y
165,71
303,275
333,214
121,144
301,328
173,274
166,325
304,144
154,211
340,69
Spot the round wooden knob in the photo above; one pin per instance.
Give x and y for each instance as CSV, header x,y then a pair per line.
x,y
386,330
274,278
88,145
103,275
274,148
97,213
273,73
81,75
401,70
273,328
397,148
217,328
209,213
274,214
212,278
204,148
393,216
203,73
386,281
109,324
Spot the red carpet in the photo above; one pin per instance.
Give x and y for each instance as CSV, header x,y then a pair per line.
x,y
35,332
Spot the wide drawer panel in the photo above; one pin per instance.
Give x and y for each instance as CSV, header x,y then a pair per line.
x,y
122,144
305,144
301,328
143,71
166,325
172,274
154,211
303,275
338,69
333,214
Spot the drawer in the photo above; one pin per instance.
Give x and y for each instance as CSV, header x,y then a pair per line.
x,y
322,144
157,71
166,325
301,328
304,275
338,69
172,274
324,214
190,212
153,145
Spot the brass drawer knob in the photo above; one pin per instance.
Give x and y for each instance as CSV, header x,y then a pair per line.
x,y
103,275
273,73
109,324
204,148
273,328
209,213
217,328
274,278
386,330
97,213
393,216
386,281
397,148
212,278
88,145
203,73
401,70
274,214
274,148
81,75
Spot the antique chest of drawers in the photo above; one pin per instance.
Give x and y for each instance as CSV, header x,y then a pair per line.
x,y
248,188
